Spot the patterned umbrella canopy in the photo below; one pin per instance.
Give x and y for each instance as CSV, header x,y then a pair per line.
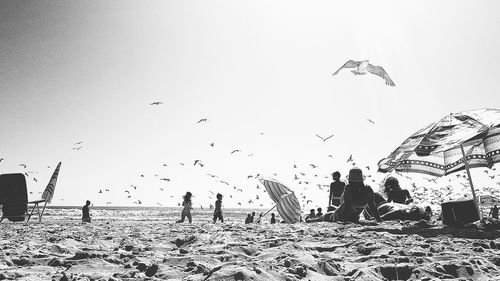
x,y
436,149
286,202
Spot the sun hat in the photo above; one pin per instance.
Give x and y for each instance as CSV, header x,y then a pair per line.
x,y
355,175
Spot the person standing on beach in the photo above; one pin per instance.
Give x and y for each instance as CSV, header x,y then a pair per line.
x,y
186,212
248,219
86,212
273,218
252,217
218,209
336,189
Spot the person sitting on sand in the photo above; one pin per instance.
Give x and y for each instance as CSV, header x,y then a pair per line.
x,y
273,218
428,210
248,219
311,215
86,212
218,209
336,189
319,213
355,198
395,193
186,212
494,212
379,200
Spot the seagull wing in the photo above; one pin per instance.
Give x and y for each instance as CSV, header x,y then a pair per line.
x,y
348,64
379,71
320,137
328,137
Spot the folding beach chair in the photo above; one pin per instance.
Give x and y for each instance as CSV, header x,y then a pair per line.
x,y
47,195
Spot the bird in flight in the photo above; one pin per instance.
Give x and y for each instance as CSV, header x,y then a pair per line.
x,y
362,66
22,165
371,121
202,120
77,148
350,158
212,144
313,166
324,139
78,143
164,179
236,150
156,103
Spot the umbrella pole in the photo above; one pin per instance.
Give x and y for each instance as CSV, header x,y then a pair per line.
x,y
266,213
470,180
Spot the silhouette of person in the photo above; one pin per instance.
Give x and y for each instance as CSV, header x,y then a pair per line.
x,y
248,219
187,204
273,218
319,212
311,215
355,198
86,212
260,217
252,217
395,193
218,209
336,189
494,212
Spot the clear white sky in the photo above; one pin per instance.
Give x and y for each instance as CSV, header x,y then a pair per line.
x,y
86,71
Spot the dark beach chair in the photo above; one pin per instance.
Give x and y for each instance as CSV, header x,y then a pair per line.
x,y
13,197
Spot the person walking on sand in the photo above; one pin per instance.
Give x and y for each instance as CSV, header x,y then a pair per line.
x,y
218,209
494,212
355,198
395,193
86,212
336,189
273,218
188,205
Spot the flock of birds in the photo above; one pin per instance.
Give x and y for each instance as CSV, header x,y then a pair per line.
x,y
307,178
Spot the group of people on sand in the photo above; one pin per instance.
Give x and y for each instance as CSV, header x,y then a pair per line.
x,y
348,201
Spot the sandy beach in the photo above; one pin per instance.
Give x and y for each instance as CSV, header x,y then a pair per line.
x,y
163,250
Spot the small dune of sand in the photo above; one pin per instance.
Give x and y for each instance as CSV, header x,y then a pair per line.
x,y
232,251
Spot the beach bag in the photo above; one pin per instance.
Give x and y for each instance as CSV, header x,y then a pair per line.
x,y
459,213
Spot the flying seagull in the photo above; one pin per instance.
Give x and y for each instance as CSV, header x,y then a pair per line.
x,y
363,66
371,121
156,103
324,139
202,120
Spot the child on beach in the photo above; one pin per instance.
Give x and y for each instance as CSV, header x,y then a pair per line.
x,y
320,212
273,218
312,215
86,212
186,212
218,209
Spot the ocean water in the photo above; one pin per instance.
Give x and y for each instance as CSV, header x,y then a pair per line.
x,y
141,214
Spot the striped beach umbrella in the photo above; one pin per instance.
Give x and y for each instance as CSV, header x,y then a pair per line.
x,y
459,141
287,204
437,148
48,193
